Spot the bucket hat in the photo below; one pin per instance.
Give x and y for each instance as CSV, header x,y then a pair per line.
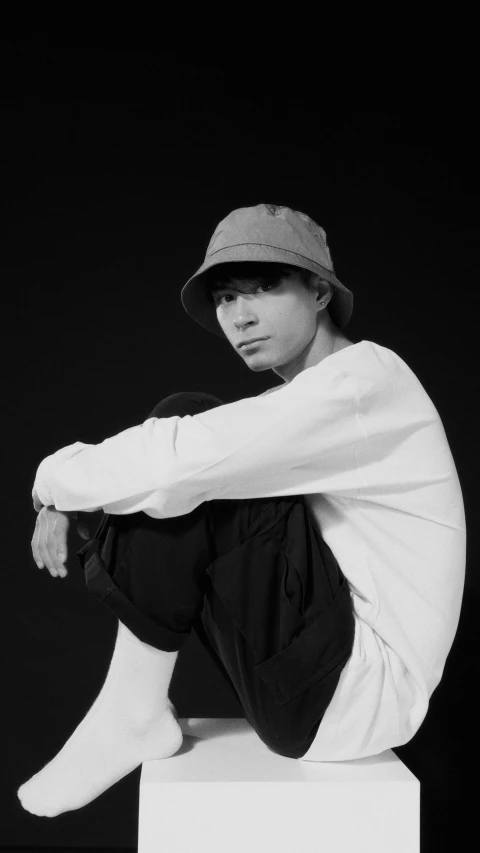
x,y
270,233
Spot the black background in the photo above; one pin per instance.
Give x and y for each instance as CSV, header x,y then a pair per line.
x,y
120,154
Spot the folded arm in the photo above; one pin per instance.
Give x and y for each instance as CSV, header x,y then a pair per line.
x,y
300,439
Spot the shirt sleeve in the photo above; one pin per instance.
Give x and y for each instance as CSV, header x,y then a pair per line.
x,y
300,439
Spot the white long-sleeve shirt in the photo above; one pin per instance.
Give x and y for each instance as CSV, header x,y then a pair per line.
x,y
358,435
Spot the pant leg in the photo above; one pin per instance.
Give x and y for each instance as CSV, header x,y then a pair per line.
x,y
258,583
152,572
293,625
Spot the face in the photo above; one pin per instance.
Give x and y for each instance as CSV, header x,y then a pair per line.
x,y
285,316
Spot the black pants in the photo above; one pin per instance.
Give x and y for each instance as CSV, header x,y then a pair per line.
x,y
255,579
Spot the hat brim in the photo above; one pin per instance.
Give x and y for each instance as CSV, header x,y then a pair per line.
x,y
195,297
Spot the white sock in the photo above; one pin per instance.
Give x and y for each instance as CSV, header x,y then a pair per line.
x,y
131,721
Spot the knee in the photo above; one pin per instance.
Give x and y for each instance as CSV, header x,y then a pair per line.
x,y
282,744
185,403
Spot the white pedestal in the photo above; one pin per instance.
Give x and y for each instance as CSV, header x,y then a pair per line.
x,y
226,792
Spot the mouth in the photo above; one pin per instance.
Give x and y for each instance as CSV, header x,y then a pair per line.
x,y
249,343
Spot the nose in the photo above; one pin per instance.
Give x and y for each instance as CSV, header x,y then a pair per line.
x,y
244,315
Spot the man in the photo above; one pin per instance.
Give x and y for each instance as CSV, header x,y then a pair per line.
x,y
313,535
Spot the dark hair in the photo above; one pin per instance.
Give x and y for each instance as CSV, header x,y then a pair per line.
x,y
251,273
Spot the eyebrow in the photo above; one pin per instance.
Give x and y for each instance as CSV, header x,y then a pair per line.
x,y
221,288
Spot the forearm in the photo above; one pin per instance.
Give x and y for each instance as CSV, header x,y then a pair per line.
x,y
118,475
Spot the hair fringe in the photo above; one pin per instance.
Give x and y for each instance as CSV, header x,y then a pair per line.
x,y
256,272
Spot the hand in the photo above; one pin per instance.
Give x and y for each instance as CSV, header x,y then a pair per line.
x,y
49,542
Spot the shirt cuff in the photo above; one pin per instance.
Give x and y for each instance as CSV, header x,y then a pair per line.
x,y
44,483
41,484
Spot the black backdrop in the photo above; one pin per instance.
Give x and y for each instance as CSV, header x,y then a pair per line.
x,y
118,161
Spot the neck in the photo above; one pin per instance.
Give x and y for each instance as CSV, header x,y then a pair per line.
x,y
325,343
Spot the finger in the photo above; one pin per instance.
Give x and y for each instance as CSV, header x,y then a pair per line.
x,y
48,542
56,538
35,545
43,545
61,524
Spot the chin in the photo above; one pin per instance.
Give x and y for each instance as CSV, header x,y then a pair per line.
x,y
258,366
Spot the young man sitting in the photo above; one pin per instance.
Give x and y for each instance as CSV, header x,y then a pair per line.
x,y
313,535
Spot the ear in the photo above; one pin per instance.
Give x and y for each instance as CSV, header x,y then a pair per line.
x,y
324,290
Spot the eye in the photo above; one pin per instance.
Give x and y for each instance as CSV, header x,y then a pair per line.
x,y
220,296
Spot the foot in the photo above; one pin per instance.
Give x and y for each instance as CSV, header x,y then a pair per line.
x,y
103,748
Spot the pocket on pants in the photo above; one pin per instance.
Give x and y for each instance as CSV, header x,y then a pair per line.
x,y
321,647
289,651
251,582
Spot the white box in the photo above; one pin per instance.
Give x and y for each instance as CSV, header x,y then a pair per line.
x,y
224,791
